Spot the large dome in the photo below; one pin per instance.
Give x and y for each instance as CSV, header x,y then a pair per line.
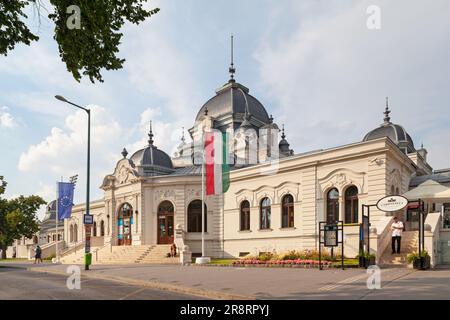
x,y
232,99
394,132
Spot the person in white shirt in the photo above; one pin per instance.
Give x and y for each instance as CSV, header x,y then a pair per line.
x,y
397,229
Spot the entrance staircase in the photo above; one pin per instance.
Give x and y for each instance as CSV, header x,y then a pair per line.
x,y
142,254
410,244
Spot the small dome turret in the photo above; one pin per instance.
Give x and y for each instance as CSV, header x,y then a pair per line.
x,y
393,131
151,161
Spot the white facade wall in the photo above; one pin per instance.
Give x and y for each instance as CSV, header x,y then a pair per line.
x,y
371,166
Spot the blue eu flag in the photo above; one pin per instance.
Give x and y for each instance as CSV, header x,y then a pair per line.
x,y
65,199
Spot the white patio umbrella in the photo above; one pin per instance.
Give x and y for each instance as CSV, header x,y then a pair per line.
x,y
443,195
428,190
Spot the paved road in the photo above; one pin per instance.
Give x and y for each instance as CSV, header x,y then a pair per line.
x,y
18,283
259,283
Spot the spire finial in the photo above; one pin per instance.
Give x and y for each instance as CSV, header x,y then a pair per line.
x,y
206,111
124,153
283,136
150,135
182,135
387,119
232,69
271,119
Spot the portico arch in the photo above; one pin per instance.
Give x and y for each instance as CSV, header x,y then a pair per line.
x,y
165,222
124,222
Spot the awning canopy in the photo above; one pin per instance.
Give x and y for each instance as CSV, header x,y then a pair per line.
x,y
445,195
428,190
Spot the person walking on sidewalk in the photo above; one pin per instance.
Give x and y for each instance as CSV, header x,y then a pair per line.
x,y
38,255
397,229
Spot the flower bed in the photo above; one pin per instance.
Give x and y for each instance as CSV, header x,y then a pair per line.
x,y
282,263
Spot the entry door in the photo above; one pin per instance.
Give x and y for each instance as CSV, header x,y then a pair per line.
x,y
127,231
165,228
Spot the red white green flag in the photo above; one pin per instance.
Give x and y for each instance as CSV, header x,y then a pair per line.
x,y
217,167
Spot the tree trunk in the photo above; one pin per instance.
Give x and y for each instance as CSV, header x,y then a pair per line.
x,y
3,248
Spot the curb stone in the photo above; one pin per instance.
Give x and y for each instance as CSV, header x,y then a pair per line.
x,y
210,294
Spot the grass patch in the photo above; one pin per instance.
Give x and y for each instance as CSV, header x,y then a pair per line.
x,y
347,262
14,259
222,261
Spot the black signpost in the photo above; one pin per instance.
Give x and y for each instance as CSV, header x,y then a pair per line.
x,y
330,236
420,209
364,244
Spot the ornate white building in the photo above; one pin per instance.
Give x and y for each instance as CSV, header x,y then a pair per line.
x,y
149,195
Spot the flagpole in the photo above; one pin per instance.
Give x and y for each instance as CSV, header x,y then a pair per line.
x,y
203,202
203,259
56,220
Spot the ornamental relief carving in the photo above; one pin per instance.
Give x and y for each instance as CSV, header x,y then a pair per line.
x,y
245,196
265,194
164,194
273,193
288,188
194,194
340,179
395,178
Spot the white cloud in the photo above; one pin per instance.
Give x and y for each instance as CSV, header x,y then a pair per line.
x,y
63,151
48,193
160,68
166,135
6,119
328,75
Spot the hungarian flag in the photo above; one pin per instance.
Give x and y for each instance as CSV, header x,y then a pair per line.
x,y
217,167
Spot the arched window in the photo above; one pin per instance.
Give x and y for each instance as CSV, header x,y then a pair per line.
x,y
54,237
287,211
195,216
333,206
392,190
71,233
102,228
245,215
95,229
48,239
124,222
75,233
264,216
126,211
397,191
351,205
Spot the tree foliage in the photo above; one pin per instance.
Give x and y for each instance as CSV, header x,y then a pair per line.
x,y
85,50
17,217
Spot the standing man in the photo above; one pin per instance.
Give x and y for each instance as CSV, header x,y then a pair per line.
x,y
397,229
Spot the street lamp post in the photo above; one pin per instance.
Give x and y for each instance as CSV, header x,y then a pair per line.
x,y
61,98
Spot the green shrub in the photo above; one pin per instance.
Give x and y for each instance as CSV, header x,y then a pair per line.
x,y
413,257
366,255
266,256
291,255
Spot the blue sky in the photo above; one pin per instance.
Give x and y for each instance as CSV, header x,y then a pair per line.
x,y
313,64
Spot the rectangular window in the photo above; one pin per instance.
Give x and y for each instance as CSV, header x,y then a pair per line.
x,y
351,211
287,218
446,217
265,218
245,220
